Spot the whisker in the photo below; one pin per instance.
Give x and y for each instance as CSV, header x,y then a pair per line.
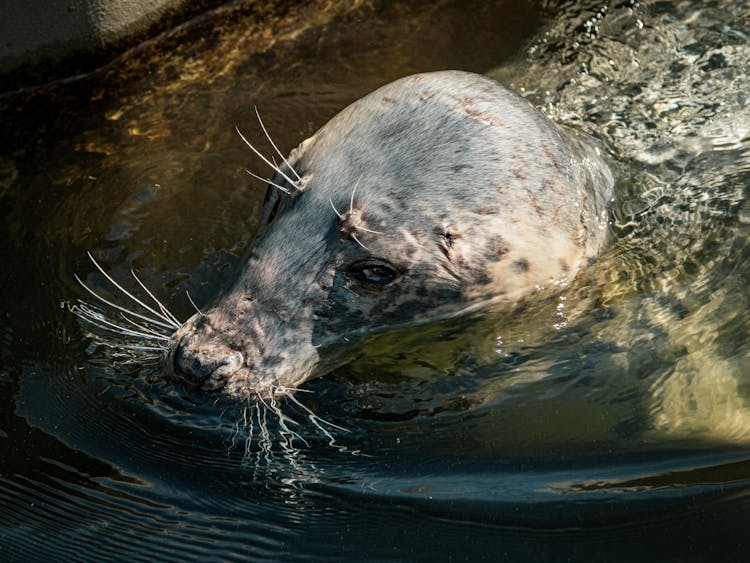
x,y
354,190
127,293
267,181
369,230
285,390
336,211
87,312
359,242
264,159
257,113
142,348
148,361
351,209
97,319
166,312
201,313
120,308
116,347
143,327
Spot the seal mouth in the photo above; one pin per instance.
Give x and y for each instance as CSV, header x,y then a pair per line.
x,y
215,368
223,371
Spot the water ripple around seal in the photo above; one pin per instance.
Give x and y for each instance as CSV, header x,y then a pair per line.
x,y
543,455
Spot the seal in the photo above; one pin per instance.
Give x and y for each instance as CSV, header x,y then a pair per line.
x,y
434,196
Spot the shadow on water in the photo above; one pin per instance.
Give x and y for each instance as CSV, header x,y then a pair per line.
x,y
606,421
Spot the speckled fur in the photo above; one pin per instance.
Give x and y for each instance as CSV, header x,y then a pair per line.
x,y
467,191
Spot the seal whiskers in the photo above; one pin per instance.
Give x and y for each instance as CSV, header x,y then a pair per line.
x,y
144,332
264,159
270,140
269,182
91,315
517,208
351,210
349,221
166,324
197,310
148,334
511,202
165,320
165,312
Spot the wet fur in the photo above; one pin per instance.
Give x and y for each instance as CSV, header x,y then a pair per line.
x,y
453,190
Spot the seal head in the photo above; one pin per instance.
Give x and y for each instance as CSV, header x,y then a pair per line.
x,y
433,196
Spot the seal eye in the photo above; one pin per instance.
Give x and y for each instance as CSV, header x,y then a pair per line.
x,y
375,274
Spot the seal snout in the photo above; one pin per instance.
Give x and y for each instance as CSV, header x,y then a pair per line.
x,y
207,366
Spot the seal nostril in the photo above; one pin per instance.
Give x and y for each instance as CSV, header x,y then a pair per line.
x,y
232,361
206,365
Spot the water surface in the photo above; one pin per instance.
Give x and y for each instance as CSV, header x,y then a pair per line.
x,y
608,420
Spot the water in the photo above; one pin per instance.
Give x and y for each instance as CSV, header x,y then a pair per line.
x,y
612,419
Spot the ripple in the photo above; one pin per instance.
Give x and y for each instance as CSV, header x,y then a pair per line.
x,y
624,431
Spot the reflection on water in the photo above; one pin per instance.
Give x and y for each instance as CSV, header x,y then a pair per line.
x,y
674,111
608,418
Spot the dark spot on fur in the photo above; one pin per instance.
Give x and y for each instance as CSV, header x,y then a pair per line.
x,y
521,265
564,266
496,249
398,196
459,167
388,99
481,276
537,208
409,308
447,294
486,211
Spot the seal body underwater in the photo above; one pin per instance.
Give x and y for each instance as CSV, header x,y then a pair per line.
x,y
434,196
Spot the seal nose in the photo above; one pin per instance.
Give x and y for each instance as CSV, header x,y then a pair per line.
x,y
207,366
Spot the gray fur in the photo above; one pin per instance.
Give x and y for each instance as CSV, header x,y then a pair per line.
x,y
464,191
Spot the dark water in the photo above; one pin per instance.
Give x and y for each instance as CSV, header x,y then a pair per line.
x,y
613,419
